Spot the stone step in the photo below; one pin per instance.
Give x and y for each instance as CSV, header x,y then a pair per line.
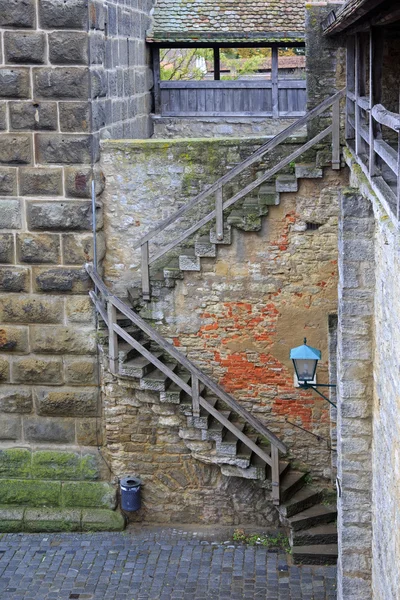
x,y
225,462
324,554
203,247
188,261
126,352
203,420
214,432
321,534
291,483
138,367
316,515
227,239
286,183
135,296
172,270
242,220
229,444
267,195
157,381
308,171
304,498
251,472
174,393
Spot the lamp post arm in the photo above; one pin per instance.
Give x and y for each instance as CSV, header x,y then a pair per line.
x,y
307,386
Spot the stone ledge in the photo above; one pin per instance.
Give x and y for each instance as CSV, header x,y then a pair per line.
x,y
14,519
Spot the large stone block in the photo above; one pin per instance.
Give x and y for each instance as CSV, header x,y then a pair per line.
x,y
63,14
79,309
78,181
15,462
11,519
17,13
71,402
74,117
38,370
4,370
51,520
80,371
68,48
3,116
60,148
38,248
36,116
6,248
59,216
77,249
61,83
52,431
15,148
29,492
24,47
40,182
61,279
52,464
10,214
14,339
31,309
63,340
14,82
8,182
95,519
89,494
15,399
14,279
10,430
89,432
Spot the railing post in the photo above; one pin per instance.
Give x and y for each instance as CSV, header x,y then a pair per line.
x,y
275,475
145,271
398,181
275,82
219,214
336,135
112,338
195,395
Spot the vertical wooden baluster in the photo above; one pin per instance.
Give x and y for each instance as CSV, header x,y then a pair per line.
x,y
398,177
375,91
350,107
274,79
157,80
219,214
336,135
112,338
217,65
275,475
195,395
145,271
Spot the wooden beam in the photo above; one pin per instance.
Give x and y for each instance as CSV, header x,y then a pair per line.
x,y
157,79
376,47
274,79
217,64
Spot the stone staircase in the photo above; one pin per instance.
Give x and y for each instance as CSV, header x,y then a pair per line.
x,y
245,216
306,510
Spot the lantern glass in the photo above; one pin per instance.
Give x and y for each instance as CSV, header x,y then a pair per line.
x,y
305,369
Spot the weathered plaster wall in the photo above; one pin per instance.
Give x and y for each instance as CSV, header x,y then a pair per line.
x,y
239,317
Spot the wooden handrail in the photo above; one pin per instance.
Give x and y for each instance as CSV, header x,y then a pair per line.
x,y
385,117
183,361
238,169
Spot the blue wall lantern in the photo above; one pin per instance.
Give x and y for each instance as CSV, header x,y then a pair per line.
x,y
305,360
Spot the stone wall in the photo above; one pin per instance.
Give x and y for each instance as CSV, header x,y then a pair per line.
x,y
369,528
61,87
239,317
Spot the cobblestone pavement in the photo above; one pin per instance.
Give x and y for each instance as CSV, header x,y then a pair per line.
x,y
150,563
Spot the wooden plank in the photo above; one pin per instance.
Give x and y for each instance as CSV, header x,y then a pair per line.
x,y
274,80
112,338
217,65
375,91
336,135
255,157
189,366
145,271
228,114
157,79
385,117
363,102
219,214
165,102
249,188
99,307
289,84
201,101
387,153
275,475
360,87
192,100
235,84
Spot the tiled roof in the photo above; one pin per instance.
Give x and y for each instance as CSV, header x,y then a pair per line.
x,y
351,12
227,19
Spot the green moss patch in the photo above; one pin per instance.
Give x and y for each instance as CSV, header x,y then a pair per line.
x,y
51,520
29,492
89,494
47,464
15,462
102,520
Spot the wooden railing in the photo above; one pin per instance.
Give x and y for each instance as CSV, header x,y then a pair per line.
x,y
107,306
364,126
216,189
286,98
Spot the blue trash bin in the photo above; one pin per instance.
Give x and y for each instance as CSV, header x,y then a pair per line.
x,y
130,493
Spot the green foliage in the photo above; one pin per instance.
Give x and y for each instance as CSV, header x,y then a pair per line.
x,y
183,64
278,541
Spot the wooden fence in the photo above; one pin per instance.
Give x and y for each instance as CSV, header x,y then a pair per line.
x,y
285,98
